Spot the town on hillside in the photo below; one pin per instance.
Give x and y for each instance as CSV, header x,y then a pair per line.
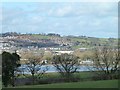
x,y
50,44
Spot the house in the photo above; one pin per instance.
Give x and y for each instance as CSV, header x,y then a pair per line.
x,y
62,52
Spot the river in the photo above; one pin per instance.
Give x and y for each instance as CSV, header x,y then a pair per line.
x,y
50,68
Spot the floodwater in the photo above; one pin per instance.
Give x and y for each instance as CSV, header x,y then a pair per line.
x,y
49,68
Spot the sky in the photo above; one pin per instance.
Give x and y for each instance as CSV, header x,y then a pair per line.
x,y
95,19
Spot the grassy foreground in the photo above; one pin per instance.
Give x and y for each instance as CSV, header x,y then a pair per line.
x,y
0,84
87,84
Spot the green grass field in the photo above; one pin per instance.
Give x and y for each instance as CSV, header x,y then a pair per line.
x,y
86,84
0,84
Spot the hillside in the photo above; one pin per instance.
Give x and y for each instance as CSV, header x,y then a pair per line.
x,y
55,41
75,42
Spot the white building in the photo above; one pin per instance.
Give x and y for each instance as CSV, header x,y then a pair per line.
x,y
63,52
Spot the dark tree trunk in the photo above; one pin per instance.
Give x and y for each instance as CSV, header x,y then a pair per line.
x,y
33,79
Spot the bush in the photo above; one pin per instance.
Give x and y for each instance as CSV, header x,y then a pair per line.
x,y
105,77
98,77
57,80
28,83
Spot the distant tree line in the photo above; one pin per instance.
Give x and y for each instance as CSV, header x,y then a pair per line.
x,y
15,34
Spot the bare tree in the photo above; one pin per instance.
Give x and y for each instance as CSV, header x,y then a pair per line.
x,y
106,61
66,65
34,66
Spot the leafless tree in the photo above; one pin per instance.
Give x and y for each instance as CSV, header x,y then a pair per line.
x,y
106,61
66,65
34,66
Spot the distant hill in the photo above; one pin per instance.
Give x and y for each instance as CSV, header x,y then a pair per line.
x,y
56,40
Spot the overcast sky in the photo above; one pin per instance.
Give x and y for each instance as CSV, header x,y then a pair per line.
x,y
96,19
